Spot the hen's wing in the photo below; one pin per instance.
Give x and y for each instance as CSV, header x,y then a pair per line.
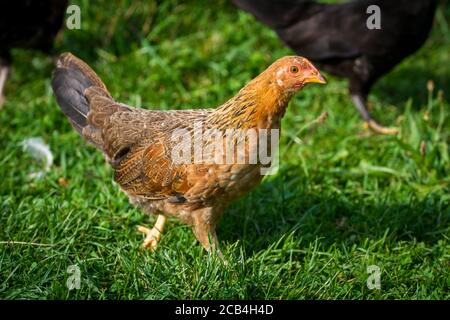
x,y
140,143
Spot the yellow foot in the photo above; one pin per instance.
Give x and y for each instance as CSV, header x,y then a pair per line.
x,y
152,237
375,127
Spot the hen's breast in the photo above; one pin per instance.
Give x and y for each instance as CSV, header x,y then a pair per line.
x,y
214,184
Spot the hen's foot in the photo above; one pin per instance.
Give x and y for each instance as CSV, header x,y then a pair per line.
x,y
152,236
375,127
360,103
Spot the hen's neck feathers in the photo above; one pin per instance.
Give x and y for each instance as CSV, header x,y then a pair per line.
x,y
260,104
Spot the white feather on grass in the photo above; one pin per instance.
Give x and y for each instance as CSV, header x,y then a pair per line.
x,y
40,151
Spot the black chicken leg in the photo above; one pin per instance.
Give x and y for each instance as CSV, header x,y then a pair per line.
x,y
360,104
4,72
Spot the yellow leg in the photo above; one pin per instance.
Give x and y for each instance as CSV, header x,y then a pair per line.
x,y
360,103
152,236
375,127
4,70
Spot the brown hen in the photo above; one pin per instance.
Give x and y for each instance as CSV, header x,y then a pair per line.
x,y
139,144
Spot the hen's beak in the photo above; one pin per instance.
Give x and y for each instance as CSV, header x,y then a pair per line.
x,y
316,77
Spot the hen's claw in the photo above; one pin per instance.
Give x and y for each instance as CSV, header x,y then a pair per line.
x,y
152,236
375,127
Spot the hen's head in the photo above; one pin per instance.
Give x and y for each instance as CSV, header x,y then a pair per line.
x,y
263,101
292,72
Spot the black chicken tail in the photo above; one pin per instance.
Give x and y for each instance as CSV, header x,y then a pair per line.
x,y
71,78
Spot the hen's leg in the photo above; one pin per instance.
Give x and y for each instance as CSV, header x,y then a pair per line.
x,y
202,233
360,104
207,236
152,236
4,71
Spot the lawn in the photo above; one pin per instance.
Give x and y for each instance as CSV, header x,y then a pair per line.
x,y
343,198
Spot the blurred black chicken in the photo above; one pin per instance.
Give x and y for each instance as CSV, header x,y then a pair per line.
x,y
28,24
336,37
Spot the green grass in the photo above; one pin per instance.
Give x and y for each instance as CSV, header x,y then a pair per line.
x,y
342,200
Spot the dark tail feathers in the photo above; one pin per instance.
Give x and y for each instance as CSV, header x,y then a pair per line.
x,y
70,80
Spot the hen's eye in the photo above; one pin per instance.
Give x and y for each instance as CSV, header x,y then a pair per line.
x,y
294,69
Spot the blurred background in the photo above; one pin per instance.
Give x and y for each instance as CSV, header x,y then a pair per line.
x,y
343,199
